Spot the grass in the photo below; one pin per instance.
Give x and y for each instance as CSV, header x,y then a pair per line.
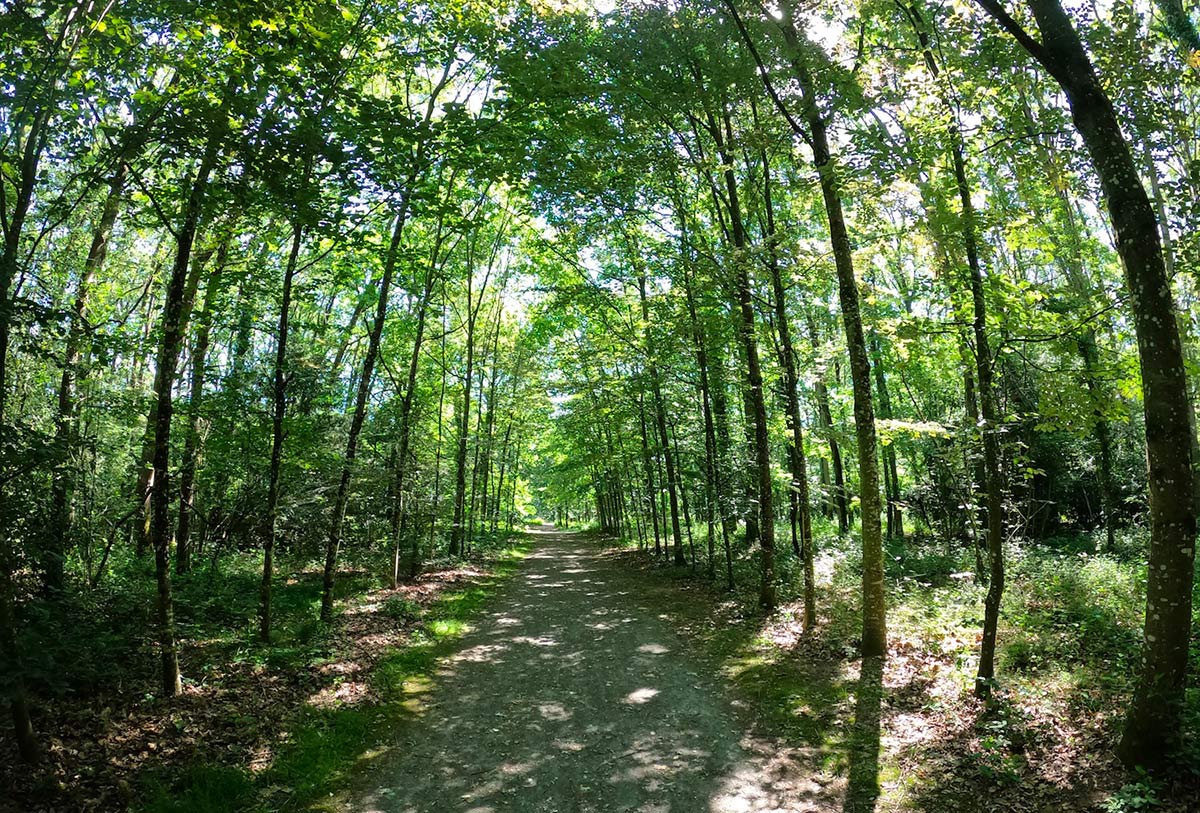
x,y
319,748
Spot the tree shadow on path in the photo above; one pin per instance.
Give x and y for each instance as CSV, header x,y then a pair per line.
x,y
862,790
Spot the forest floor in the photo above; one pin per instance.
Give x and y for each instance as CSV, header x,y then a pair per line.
x,y
574,692
258,728
1043,746
569,673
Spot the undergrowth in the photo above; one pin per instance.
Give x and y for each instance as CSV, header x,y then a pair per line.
x,y
316,749
1069,648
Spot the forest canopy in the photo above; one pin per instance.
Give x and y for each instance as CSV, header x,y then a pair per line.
x,y
864,311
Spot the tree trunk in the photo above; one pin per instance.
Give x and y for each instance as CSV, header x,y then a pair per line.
x,y
990,429
874,631
787,358
469,503
755,396
278,413
333,543
710,440
457,531
516,468
66,429
174,324
687,514
144,487
651,493
1102,432
891,477
192,443
437,458
825,422
660,420
497,505
406,406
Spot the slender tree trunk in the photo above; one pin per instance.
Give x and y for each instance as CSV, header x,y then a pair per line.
x,y
486,421
1102,432
174,325
469,503
407,402
724,467
489,446
891,478
825,422
755,395
334,541
516,468
66,428
990,429
710,441
651,493
437,465
144,488
787,357
687,514
457,531
497,505
988,403
722,464
192,443
874,634
660,420
278,414
749,475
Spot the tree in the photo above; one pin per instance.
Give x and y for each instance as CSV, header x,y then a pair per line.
x,y
815,133
1152,729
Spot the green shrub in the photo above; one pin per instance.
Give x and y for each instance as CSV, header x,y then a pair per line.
x,y
402,609
1134,797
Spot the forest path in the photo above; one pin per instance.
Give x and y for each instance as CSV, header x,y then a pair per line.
x,y
573,693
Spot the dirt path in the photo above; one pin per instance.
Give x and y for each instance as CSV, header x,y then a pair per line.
x,y
573,694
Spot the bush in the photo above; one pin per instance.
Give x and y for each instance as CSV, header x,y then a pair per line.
x,y
1133,798
402,609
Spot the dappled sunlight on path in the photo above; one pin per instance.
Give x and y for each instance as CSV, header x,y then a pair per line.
x,y
572,694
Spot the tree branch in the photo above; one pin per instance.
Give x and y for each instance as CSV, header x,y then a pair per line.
x,y
1006,21
765,74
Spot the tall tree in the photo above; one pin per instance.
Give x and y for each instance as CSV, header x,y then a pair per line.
x,y
814,132
1153,727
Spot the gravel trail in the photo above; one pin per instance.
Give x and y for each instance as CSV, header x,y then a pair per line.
x,y
572,694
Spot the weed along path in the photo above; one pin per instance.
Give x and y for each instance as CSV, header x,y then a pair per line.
x,y
572,694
